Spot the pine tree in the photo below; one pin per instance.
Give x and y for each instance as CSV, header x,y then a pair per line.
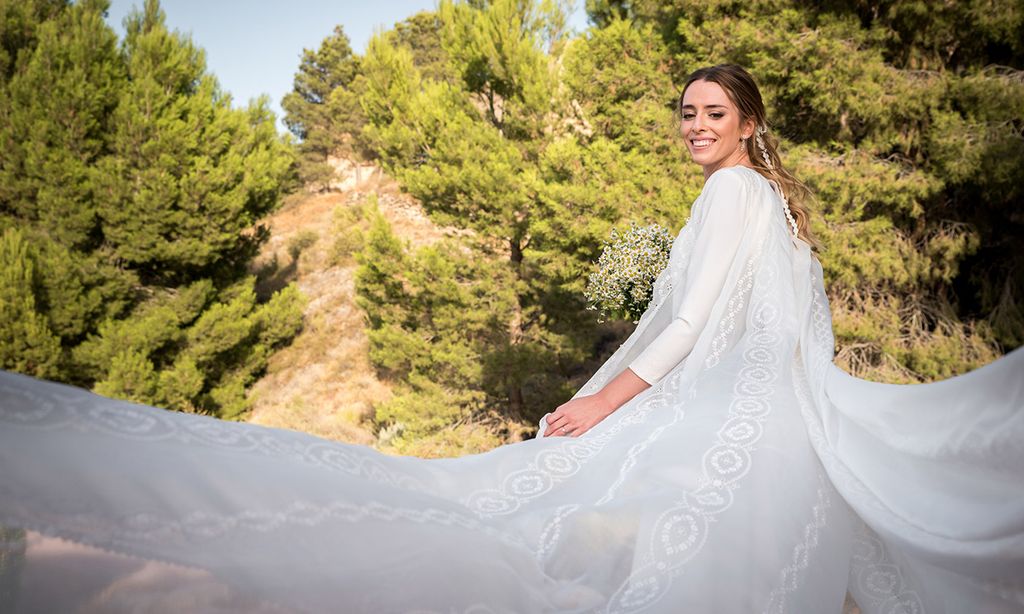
x,y
436,318
51,143
130,377
322,109
188,173
138,189
19,24
418,33
26,343
50,147
897,119
469,149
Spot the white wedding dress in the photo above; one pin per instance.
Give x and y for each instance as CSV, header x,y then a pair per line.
x,y
752,476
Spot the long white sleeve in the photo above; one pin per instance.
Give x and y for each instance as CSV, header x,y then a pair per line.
x,y
718,238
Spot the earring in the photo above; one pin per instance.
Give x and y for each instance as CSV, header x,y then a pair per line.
x,y
764,149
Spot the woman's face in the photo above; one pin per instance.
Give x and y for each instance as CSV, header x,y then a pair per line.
x,y
712,128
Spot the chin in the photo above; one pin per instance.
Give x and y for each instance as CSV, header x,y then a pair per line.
x,y
704,158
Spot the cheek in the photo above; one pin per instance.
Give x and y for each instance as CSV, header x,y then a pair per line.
x,y
734,129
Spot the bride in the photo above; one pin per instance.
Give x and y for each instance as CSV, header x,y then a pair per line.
x,y
718,461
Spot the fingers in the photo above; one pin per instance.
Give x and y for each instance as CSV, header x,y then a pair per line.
x,y
557,423
582,428
565,429
559,427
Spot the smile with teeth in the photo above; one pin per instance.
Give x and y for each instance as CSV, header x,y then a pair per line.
x,y
701,143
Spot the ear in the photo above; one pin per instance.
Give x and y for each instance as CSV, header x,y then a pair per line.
x,y
747,128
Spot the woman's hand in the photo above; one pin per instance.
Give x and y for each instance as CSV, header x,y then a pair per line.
x,y
577,416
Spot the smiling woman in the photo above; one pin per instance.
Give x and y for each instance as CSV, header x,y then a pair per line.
x,y
715,133
720,109
736,470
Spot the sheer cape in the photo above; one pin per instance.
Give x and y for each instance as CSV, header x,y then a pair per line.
x,y
755,476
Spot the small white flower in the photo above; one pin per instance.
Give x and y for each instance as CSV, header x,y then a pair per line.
x,y
622,283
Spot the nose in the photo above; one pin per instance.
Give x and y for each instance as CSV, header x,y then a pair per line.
x,y
697,123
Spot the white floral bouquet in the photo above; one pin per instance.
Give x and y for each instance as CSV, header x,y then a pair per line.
x,y
622,285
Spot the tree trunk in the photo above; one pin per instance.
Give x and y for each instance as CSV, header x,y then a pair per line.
x,y
515,332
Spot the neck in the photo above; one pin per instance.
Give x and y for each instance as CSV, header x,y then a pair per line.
x,y
740,158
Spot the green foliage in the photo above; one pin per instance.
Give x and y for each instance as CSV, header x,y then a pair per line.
x,y
497,49
188,173
350,224
51,143
130,196
27,344
900,118
192,350
619,76
19,25
382,269
322,109
131,377
905,121
328,106
435,318
299,242
471,148
418,34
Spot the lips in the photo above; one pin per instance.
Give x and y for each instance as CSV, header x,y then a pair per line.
x,y
701,143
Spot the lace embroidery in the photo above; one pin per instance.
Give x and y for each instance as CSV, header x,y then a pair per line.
x,y
681,532
61,408
553,465
727,324
202,526
878,580
636,449
791,575
553,531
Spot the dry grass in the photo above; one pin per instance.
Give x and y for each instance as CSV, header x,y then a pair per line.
x,y
323,382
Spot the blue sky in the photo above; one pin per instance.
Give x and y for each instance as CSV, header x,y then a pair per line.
x,y
254,46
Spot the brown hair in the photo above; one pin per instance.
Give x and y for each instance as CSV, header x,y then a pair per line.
x,y
739,86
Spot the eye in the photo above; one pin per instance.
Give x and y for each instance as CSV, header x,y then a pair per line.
x,y
715,115
687,116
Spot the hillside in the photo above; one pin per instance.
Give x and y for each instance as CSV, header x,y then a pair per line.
x,y
323,383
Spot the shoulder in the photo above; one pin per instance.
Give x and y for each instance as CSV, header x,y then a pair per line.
x,y
740,186
733,178
730,190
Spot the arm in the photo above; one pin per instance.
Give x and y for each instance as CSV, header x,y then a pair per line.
x,y
622,388
579,415
714,250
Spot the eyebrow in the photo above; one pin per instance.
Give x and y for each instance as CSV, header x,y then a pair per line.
x,y
710,106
